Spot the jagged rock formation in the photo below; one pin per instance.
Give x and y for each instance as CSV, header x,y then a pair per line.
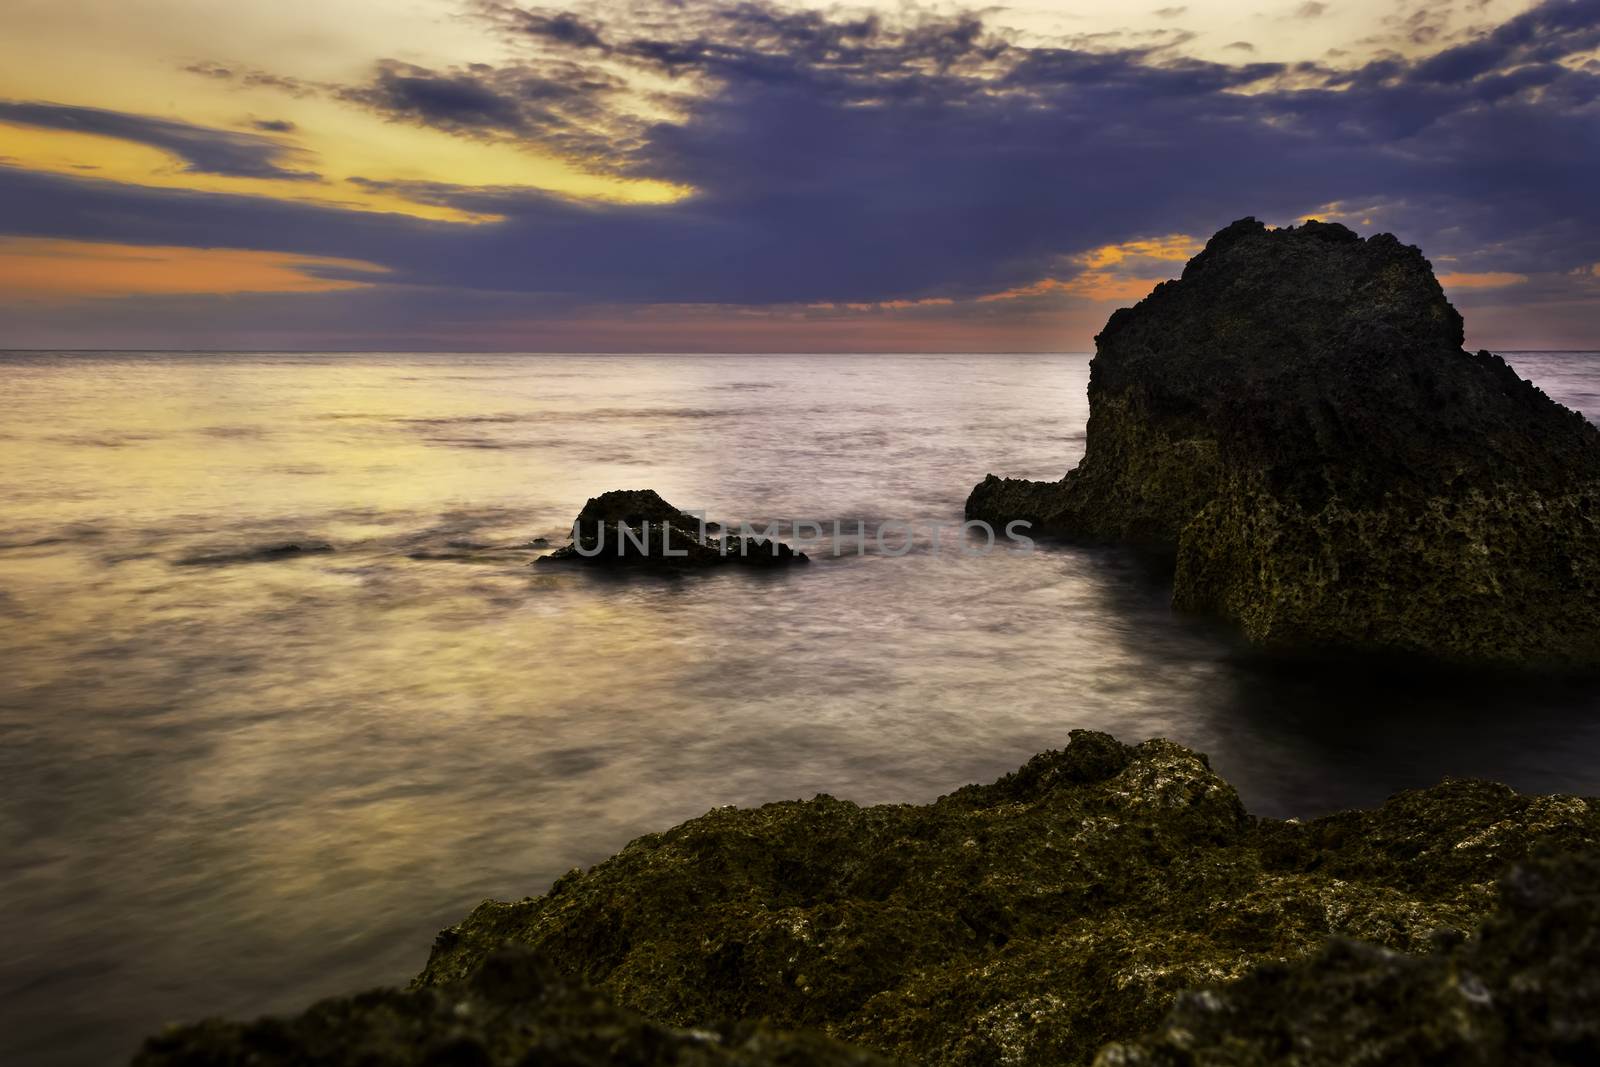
x,y
1524,990
636,528
514,1011
1296,419
1028,921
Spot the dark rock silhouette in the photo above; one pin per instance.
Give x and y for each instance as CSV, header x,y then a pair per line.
x,y
1028,921
1296,420
636,528
515,1011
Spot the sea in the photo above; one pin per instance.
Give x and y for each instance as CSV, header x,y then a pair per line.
x,y
237,779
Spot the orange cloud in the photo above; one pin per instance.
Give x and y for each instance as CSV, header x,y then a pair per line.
x,y
49,269
1174,247
895,305
1125,271
1094,285
1485,280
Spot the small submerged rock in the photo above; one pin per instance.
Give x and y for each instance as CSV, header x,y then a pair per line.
x,y
1296,421
431,556
464,551
636,528
263,554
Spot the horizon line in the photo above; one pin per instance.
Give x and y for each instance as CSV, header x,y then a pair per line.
x,y
634,352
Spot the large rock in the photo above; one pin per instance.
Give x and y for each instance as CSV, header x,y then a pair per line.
x,y
1524,990
1028,921
635,528
1296,419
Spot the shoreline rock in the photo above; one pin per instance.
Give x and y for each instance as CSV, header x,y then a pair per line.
x,y
1054,914
635,528
1032,920
1295,421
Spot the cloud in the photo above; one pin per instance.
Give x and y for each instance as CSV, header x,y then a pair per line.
x,y
1311,9
1549,32
458,102
562,106
916,164
273,125
563,28
1485,280
35,269
1125,271
202,149
251,78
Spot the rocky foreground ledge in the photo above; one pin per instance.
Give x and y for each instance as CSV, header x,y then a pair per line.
x,y
1047,918
1296,420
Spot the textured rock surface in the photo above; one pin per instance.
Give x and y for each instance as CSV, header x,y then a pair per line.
x,y
1525,989
1296,419
514,1010
1027,921
636,528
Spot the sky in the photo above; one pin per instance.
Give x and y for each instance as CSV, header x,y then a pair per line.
x,y
676,175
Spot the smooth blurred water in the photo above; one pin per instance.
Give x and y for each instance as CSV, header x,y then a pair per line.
x,y
235,789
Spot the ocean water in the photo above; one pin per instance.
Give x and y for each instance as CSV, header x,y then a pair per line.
x,y
233,788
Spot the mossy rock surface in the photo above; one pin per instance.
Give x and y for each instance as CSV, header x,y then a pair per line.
x,y
1525,989
515,1010
1296,422
1028,921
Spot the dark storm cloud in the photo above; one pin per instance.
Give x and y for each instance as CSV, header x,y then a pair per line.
x,y
1547,33
561,105
565,28
842,158
203,150
458,102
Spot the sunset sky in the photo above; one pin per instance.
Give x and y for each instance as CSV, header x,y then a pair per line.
x,y
758,176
